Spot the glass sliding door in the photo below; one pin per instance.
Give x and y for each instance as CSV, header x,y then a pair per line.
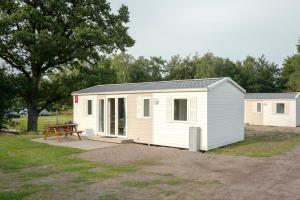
x,y
121,117
111,116
116,116
101,115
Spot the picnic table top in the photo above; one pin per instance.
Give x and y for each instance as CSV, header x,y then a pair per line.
x,y
62,125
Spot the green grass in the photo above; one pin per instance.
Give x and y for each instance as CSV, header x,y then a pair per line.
x,y
13,195
108,197
43,121
209,183
143,184
148,161
264,145
25,161
166,192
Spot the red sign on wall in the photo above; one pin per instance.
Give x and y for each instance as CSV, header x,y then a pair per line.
x,y
76,99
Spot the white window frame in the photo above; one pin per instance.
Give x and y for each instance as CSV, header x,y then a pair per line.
x,y
116,116
187,110
105,116
150,113
284,107
260,107
87,107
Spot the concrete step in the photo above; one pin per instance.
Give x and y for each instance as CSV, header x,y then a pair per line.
x,y
110,139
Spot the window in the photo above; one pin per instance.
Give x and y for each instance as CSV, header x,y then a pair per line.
x,y
258,107
146,108
180,109
280,108
89,107
101,115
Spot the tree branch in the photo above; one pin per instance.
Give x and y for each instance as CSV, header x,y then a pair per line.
x,y
10,62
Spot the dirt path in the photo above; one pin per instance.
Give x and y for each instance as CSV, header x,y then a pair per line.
x,y
277,177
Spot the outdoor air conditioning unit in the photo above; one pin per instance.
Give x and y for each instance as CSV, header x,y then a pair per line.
x,y
194,139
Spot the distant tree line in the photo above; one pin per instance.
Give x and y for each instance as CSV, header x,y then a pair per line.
x,y
253,74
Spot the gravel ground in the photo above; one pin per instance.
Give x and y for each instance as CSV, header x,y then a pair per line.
x,y
276,177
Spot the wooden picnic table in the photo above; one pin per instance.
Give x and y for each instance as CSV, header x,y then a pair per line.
x,y
62,129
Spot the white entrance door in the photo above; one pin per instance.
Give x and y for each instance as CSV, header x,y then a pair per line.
x,y
116,115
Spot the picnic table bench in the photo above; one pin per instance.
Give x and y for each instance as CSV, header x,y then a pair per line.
x,y
62,129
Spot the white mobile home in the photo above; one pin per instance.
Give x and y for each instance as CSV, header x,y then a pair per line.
x,y
273,109
161,113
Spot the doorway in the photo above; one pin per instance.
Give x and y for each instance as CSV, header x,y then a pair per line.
x,y
116,115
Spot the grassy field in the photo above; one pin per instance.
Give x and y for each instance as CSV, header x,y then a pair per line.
x,y
29,164
30,169
43,121
262,145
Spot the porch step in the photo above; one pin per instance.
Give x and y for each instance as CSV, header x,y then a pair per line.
x,y
110,139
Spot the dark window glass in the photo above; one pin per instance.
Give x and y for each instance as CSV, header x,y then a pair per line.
x,y
89,107
280,108
180,109
258,107
146,107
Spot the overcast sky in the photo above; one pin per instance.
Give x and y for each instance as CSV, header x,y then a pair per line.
x,y
228,28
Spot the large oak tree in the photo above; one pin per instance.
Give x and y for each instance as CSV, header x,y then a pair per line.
x,y
39,36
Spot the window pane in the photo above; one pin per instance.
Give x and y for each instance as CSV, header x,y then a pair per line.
x,y
121,116
280,108
146,107
258,107
101,115
180,109
89,107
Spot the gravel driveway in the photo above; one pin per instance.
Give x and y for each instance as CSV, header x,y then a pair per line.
x,y
276,177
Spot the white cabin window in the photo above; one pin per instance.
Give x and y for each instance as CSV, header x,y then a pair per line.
x,y
280,107
89,107
180,109
146,109
258,107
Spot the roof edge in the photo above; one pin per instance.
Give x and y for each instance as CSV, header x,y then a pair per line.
x,y
144,91
195,79
225,79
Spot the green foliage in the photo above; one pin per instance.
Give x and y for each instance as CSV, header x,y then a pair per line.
x,y
291,72
43,122
6,97
264,145
258,75
38,37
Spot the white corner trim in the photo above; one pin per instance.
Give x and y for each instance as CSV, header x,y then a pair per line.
x,y
224,80
297,95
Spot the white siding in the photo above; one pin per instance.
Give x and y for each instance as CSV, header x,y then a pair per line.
x,y
87,123
298,111
176,134
270,118
225,115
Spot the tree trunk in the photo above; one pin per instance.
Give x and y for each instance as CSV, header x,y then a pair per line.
x,y
32,117
32,104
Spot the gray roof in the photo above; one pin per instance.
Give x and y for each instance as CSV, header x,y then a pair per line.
x,y
288,95
144,86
